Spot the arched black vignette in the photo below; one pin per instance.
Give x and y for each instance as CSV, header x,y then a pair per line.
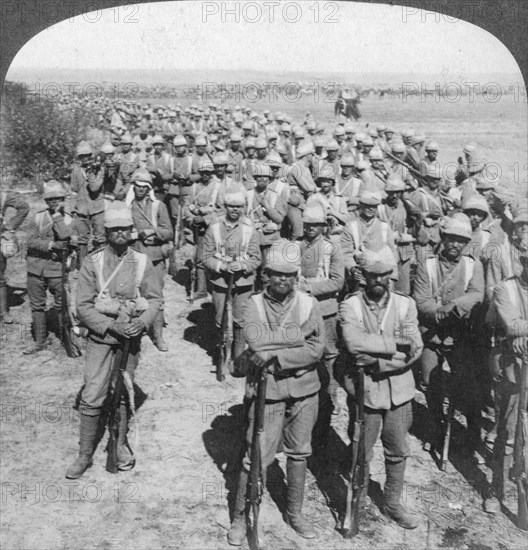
x,y
507,20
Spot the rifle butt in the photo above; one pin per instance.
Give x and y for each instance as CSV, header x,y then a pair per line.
x,y
522,505
111,456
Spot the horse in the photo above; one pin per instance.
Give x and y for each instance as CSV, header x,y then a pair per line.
x,y
348,108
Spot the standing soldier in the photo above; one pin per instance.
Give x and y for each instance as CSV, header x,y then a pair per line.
x,y
47,236
231,248
292,382
367,231
393,212
322,276
379,172
413,156
302,186
160,166
380,330
347,185
7,230
235,156
88,207
510,301
128,161
447,287
431,156
331,160
398,150
154,233
202,208
118,298
200,154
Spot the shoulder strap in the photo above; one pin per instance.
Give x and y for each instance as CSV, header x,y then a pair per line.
x,y
511,288
354,230
432,273
140,269
355,303
259,302
155,210
384,231
305,303
99,264
250,197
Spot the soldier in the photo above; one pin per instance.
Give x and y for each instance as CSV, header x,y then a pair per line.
x,y
413,156
47,236
160,165
447,287
231,248
302,186
202,208
333,206
266,208
128,161
292,382
261,149
7,230
347,185
477,210
393,212
154,233
113,187
380,330
331,160
510,301
143,142
235,156
118,297
200,153
378,171
322,276
398,150
431,156
367,231
87,195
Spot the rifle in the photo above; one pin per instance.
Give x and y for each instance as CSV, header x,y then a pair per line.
x,y
520,468
191,266
448,413
416,173
227,331
68,336
255,486
357,472
114,415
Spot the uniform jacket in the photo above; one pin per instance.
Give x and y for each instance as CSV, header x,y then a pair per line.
x,y
294,330
322,266
349,189
300,177
397,218
44,229
461,283
204,201
369,332
128,164
163,166
371,235
224,241
122,286
21,207
267,221
87,191
143,216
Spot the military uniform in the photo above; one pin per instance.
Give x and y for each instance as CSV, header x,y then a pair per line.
x,y
47,237
225,242
8,228
161,167
371,333
438,282
302,186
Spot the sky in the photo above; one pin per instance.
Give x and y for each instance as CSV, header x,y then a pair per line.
x,y
269,36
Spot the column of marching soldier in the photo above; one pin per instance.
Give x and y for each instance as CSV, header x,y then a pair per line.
x,y
339,246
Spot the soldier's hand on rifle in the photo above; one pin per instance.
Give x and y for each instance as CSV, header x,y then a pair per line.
x,y
444,312
234,267
119,329
520,345
146,233
261,359
197,220
134,328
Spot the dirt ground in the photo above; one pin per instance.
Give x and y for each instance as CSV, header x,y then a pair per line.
x,y
188,439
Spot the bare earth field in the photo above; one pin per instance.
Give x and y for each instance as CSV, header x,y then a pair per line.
x,y
189,426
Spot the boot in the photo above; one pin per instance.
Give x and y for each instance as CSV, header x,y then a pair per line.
x,y
125,457
296,476
4,308
88,434
39,325
493,500
201,284
83,252
238,530
392,492
157,333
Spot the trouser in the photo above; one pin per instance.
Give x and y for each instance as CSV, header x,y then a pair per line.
x,y
36,291
201,277
294,216
240,298
99,372
83,225
394,424
463,386
173,203
291,421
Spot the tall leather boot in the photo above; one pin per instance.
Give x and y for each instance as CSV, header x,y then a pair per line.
x,y
238,530
296,476
157,333
88,435
4,308
125,457
392,507
39,325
